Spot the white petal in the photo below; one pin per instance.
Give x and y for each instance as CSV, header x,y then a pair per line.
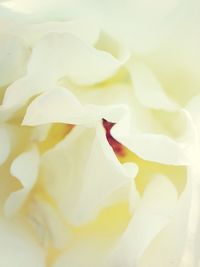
x,y
58,105
18,249
13,58
98,186
109,44
88,252
148,145
148,89
157,148
140,25
7,112
153,214
19,92
5,144
25,168
86,31
32,33
58,55
194,109
40,133
48,223
108,94
167,249
153,146
79,189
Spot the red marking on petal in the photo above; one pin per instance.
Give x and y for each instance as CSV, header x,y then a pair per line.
x,y
116,146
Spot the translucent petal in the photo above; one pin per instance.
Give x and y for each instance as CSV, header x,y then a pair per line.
x,y
172,240
155,146
18,247
153,214
148,89
5,143
86,31
25,169
58,105
58,55
14,55
80,190
68,109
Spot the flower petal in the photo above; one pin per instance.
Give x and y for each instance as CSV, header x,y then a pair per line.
x,y
13,58
156,147
86,31
19,92
139,25
5,144
58,105
25,168
80,190
148,89
88,252
48,223
58,55
18,248
172,240
194,109
68,109
32,33
153,214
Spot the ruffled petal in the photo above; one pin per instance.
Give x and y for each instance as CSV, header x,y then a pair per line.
x,y
172,240
14,55
80,190
19,92
18,248
154,146
25,169
58,105
88,252
32,33
153,214
68,109
139,25
193,108
5,143
58,55
84,30
148,89
49,225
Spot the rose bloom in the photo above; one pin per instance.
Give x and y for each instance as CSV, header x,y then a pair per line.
x,y
100,128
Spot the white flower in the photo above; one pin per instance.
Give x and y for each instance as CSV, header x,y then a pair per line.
x,y
99,133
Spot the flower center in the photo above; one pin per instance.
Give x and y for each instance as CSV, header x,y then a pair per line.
x,y
116,146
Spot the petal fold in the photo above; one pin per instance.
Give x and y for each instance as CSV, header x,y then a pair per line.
x,y
153,214
80,191
18,248
5,144
59,55
148,89
25,169
14,55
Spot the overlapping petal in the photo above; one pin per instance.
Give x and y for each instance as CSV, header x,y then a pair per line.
x,y
154,213
80,190
63,81
25,168
58,55
148,89
62,55
14,55
18,246
141,137
5,143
